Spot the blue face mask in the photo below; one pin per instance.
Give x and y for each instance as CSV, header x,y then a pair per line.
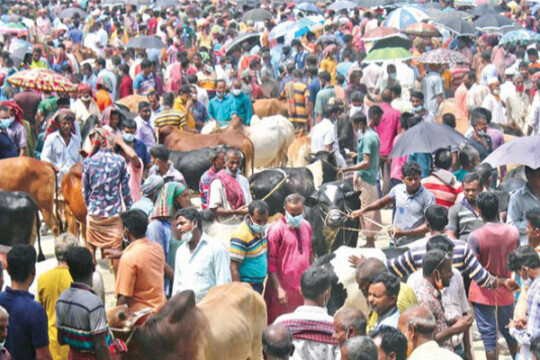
x,y
294,221
393,76
129,138
219,94
417,108
231,173
5,123
258,229
481,133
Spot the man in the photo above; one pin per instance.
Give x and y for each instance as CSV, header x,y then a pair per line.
x,y
102,71
8,148
349,323
80,314
144,82
37,61
354,85
387,130
61,148
401,104
418,325
53,283
359,348
139,282
323,134
184,105
300,54
217,158
145,132
201,262
310,324
155,106
221,106
162,166
168,116
85,106
12,126
367,167
324,95
248,247
468,159
408,219
464,216
28,338
229,191
418,107
533,228
105,188
391,343
442,183
523,200
242,107
516,100
4,322
382,299
433,89
460,95
494,103
277,343
289,255
489,70
129,128
491,244
297,94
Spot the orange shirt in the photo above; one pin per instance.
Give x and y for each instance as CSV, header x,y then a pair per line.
x,y
103,99
140,275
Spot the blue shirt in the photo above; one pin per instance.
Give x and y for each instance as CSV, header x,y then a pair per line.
x,y
424,160
28,327
520,202
8,148
142,151
300,59
314,88
242,108
221,110
76,35
159,231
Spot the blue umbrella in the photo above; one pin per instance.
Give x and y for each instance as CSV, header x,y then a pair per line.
x,y
303,26
305,6
282,29
344,4
405,16
522,150
522,37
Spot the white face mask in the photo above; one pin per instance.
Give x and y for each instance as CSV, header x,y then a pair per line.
x,y
236,92
354,109
85,98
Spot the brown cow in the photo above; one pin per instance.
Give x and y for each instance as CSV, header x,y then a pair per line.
x,y
75,208
269,107
226,325
175,139
132,102
298,152
37,178
82,54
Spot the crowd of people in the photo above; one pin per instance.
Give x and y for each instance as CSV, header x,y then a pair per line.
x,y
466,251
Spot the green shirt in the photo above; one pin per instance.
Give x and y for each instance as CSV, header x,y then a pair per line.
x,y
323,96
460,174
369,143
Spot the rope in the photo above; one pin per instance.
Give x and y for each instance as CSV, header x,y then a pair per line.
x,y
389,229
285,177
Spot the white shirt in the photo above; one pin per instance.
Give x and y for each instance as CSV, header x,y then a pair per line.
x,y
371,75
91,40
490,71
207,267
218,198
202,96
308,349
82,112
476,95
432,350
324,134
516,103
534,116
498,112
58,153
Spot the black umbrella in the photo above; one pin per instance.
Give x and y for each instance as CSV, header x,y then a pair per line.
x,y
252,39
145,42
492,22
426,137
256,15
70,13
393,41
484,9
249,3
457,25
328,38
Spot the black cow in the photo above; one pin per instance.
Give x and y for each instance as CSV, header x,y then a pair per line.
x,y
18,214
192,164
326,210
299,180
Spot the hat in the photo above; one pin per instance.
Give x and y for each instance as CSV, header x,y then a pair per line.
x,y
509,72
492,80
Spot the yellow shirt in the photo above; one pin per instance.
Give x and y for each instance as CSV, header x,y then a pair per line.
x,y
179,105
50,285
406,299
330,65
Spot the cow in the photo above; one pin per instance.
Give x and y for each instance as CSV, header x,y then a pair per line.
x,y
75,207
303,181
327,211
131,102
270,107
271,137
175,139
227,325
37,178
18,215
298,152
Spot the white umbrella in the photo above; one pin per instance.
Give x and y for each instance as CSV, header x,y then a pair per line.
x,y
282,29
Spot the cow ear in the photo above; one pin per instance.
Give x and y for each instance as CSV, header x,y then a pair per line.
x,y
310,158
352,194
311,201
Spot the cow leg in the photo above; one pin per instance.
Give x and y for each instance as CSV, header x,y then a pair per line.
x,y
72,225
51,220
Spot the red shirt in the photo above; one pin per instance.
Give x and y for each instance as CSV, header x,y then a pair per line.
x,y
126,87
388,128
445,191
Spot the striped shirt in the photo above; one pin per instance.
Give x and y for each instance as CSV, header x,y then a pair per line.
x,y
249,250
300,94
170,117
445,193
463,260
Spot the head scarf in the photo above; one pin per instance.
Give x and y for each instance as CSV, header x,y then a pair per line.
x,y
106,115
100,138
151,185
54,123
84,87
328,49
104,82
164,208
12,105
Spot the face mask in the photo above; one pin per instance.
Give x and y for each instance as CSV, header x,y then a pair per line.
x,y
231,173
481,133
496,91
294,221
428,48
520,88
417,108
236,92
5,123
85,98
354,109
258,229
129,137
219,94
2,343
209,68
393,76
186,237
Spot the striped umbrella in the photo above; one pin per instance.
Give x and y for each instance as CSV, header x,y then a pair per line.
x,y
13,28
402,17
522,37
421,29
441,56
387,54
41,79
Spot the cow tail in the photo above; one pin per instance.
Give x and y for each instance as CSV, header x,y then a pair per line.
x,y
41,257
252,157
57,211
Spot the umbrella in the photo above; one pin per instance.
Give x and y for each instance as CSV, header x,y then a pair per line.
x,y
441,56
253,39
327,38
13,28
282,29
18,55
309,7
426,137
404,16
522,150
145,42
386,54
343,4
393,41
457,25
70,13
137,2
421,29
306,24
522,37
166,3
484,9
41,79
464,3
379,33
256,15
492,22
